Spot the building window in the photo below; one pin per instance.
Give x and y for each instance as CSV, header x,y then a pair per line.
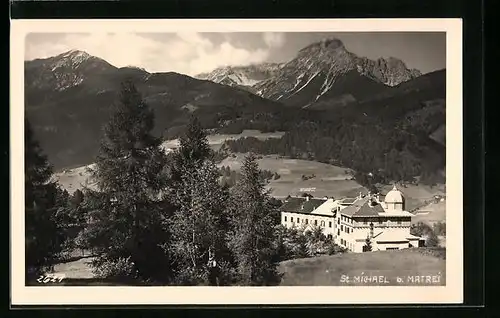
x,y
329,224
285,218
315,222
323,223
307,221
291,219
298,220
342,227
338,232
329,236
338,221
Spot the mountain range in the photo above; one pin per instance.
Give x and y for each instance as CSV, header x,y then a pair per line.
x,y
311,75
69,97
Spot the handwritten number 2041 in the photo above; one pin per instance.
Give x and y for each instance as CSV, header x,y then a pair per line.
x,y
44,279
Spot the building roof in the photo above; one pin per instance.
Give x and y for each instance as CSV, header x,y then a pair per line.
x,y
389,236
362,207
396,213
413,237
348,200
301,205
394,196
328,208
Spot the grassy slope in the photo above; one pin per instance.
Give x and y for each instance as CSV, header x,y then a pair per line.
x,y
329,181
328,270
318,271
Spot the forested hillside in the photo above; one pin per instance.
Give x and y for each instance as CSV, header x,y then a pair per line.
x,y
391,137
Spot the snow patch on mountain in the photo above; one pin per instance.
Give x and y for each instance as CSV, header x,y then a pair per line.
x,y
241,75
328,61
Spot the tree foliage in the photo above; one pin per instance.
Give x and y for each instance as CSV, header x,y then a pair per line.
x,y
43,198
199,224
368,245
381,148
252,235
126,215
425,231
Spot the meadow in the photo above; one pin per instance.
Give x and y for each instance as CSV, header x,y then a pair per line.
x,y
317,271
345,269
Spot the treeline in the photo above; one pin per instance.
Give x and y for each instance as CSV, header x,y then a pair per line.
x,y
381,149
153,217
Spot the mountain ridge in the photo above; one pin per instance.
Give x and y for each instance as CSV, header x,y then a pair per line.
x,y
321,65
68,122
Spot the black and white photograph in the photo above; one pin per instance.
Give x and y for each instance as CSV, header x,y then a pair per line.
x,y
206,159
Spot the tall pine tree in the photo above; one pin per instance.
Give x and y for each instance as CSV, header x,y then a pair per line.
x,y
128,219
192,152
253,230
199,224
42,233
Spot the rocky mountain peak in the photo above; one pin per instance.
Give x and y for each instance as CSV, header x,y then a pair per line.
x,y
72,58
316,69
65,70
326,44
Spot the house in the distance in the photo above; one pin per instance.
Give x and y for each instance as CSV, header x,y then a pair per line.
x,y
351,221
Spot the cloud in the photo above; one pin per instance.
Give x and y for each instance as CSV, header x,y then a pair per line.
x,y
187,53
274,39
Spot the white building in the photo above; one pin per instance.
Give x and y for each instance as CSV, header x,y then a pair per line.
x,y
351,221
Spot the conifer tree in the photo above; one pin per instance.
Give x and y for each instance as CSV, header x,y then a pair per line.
x,y
192,152
253,232
368,245
199,224
127,215
42,233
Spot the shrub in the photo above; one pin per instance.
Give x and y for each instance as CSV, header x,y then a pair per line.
x,y
425,231
121,268
439,228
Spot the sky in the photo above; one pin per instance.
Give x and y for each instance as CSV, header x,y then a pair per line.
x,y
194,53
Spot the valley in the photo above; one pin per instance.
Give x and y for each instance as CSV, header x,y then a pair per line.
x,y
301,162
319,102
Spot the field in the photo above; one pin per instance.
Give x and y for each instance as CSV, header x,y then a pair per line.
x,y
318,271
431,213
329,270
78,269
217,140
328,180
